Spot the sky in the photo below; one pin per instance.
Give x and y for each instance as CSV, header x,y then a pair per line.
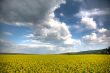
x,y
54,26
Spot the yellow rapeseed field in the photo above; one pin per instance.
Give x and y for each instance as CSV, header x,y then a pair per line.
x,y
55,63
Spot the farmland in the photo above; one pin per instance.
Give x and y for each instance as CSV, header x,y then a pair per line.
x,y
89,63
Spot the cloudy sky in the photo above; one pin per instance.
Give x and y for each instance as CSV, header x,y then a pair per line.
x,y
54,26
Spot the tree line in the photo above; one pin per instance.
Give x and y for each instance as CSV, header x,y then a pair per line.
x,y
106,50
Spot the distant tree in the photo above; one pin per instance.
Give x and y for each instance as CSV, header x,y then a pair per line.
x,y
108,50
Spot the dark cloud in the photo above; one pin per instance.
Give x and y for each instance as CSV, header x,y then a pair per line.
x,y
25,10
5,46
90,4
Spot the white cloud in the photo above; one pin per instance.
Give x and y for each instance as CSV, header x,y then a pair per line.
x,y
29,35
61,14
55,33
87,16
92,12
59,31
52,15
8,33
29,45
79,0
89,22
97,40
94,38
34,44
102,30
91,37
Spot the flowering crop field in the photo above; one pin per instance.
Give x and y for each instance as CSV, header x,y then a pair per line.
x,y
55,63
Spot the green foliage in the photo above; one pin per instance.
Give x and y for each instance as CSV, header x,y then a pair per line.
x,y
55,63
108,50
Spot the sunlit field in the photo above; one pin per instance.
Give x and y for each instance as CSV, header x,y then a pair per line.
x,y
55,63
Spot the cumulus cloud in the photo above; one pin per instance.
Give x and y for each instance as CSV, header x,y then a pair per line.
x,y
89,22
55,33
102,30
92,37
97,39
87,16
52,34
